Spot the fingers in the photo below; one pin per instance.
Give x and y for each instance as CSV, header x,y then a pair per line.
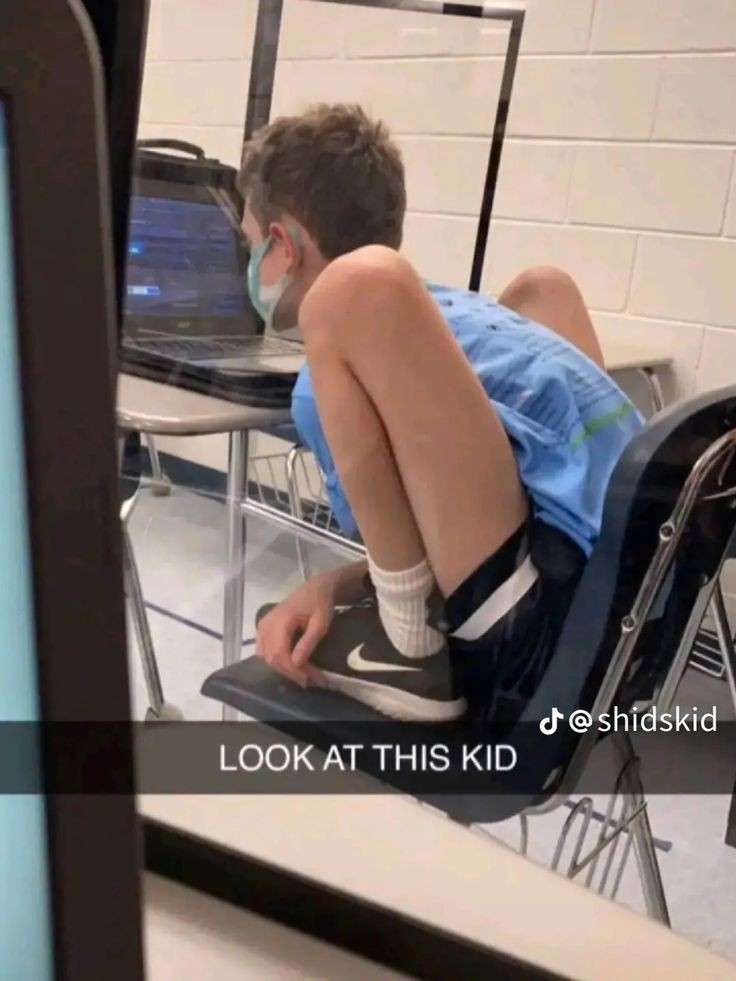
x,y
316,629
275,643
315,676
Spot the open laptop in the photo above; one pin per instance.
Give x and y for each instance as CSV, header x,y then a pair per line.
x,y
188,319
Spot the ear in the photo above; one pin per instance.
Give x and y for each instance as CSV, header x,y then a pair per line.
x,y
285,240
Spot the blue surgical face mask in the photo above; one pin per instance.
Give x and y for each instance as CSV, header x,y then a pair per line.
x,y
266,298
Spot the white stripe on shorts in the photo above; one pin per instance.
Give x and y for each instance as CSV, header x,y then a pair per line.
x,y
499,602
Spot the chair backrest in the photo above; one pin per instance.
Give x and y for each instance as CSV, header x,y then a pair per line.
x,y
643,492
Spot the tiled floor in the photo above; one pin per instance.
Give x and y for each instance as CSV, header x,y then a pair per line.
x,y
179,544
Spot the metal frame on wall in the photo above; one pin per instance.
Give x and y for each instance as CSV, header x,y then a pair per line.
x,y
120,26
263,74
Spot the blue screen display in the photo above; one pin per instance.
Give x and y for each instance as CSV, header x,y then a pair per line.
x,y
25,937
183,261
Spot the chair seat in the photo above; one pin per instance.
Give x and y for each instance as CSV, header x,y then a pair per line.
x,y
252,688
325,718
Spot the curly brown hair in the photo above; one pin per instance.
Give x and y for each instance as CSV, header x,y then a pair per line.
x,y
334,169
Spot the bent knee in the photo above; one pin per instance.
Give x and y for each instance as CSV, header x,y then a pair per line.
x,y
540,281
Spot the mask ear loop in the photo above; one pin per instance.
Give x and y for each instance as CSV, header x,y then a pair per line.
x,y
296,237
254,270
297,240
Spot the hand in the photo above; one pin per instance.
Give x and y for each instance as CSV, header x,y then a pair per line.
x,y
289,633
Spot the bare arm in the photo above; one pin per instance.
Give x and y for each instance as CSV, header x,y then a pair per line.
x,y
289,633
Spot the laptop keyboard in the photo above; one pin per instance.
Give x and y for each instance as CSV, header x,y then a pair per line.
x,y
210,348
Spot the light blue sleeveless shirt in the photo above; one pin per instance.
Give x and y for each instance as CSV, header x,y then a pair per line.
x,y
566,419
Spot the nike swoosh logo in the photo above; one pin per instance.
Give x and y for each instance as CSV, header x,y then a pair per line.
x,y
357,662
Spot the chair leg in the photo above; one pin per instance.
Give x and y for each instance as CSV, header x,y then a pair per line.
x,y
640,829
159,709
655,388
295,504
624,823
725,639
523,834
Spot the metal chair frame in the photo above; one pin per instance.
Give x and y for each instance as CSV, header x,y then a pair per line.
x,y
634,819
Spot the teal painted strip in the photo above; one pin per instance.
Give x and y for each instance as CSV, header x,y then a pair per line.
x,y
25,909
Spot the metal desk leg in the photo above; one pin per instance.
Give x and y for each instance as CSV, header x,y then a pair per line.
x,y
725,640
655,388
142,630
160,483
728,650
232,617
731,826
159,709
295,503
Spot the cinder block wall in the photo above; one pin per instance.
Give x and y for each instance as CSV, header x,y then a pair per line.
x,y
618,166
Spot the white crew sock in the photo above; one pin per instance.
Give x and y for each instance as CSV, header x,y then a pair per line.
x,y
402,606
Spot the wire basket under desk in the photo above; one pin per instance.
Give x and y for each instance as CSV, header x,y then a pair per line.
x,y
291,485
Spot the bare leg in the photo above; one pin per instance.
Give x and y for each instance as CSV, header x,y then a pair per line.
x,y
421,452
552,298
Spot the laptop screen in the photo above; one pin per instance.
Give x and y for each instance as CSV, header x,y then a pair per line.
x,y
186,263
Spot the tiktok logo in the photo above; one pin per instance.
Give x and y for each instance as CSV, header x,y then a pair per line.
x,y
548,725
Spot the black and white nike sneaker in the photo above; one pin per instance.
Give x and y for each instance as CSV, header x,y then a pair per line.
x,y
357,659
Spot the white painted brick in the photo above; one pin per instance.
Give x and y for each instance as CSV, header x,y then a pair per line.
x,y
447,175
717,366
312,30
682,278
444,174
694,99
225,143
195,93
730,226
596,98
550,27
534,180
200,30
208,451
153,37
664,25
682,342
599,260
441,247
413,96
669,188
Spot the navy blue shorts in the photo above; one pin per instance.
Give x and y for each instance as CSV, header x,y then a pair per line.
x,y
505,618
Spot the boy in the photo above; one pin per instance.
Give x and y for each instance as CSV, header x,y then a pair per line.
x,y
468,444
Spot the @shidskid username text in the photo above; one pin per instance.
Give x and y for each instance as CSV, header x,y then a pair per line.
x,y
653,720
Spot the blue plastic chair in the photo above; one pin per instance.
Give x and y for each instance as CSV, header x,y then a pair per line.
x,y
668,520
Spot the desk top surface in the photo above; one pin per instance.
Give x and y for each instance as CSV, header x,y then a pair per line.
x,y
622,355
153,407
391,851
189,934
